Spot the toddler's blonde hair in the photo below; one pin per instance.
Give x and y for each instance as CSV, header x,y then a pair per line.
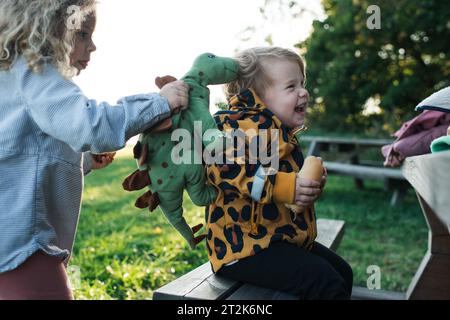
x,y
251,70
37,30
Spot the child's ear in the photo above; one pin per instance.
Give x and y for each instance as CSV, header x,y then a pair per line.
x,y
162,81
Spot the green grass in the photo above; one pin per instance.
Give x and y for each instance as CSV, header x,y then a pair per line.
x,y
126,253
393,238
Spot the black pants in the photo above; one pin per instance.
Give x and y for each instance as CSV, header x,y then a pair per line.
x,y
316,274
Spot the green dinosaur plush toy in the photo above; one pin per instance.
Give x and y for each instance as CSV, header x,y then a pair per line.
x,y
159,168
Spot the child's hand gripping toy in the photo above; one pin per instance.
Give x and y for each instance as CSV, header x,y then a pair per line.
x,y
168,169
312,169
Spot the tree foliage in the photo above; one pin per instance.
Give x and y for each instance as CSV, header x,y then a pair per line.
x,y
393,67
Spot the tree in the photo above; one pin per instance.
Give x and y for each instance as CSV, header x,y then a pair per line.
x,y
352,68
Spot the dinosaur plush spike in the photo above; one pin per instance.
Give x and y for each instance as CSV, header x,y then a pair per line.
x,y
136,181
142,160
148,200
170,170
137,150
162,81
143,201
153,202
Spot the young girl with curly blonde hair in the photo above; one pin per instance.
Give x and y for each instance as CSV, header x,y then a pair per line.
x,y
47,130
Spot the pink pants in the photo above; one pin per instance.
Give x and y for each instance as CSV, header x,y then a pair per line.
x,y
40,277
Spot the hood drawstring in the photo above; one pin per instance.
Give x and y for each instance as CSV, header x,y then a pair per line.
x,y
253,224
296,133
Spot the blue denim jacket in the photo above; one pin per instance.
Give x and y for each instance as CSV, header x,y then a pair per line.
x,y
46,123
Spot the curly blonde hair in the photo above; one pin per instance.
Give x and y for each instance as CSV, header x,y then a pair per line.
x,y
251,70
37,30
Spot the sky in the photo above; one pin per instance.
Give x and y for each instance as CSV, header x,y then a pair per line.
x,y
138,40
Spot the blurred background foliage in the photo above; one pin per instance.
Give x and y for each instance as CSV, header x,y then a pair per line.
x,y
368,81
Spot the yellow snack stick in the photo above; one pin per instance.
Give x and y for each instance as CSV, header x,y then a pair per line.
x,y
312,169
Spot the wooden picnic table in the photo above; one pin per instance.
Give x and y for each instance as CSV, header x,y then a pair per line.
x,y
349,162
430,176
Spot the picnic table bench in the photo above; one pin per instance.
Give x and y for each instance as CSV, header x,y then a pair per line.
x,y
350,164
202,284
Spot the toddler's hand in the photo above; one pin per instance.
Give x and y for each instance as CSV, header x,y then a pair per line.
x,y
177,93
100,161
306,191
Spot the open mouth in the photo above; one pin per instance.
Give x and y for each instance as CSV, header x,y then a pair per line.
x,y
301,108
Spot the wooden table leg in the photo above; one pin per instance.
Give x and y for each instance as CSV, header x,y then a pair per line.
x,y
359,183
432,279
